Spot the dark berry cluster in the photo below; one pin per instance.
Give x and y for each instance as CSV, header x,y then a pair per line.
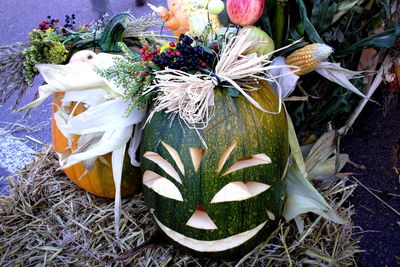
x,y
47,24
182,55
69,22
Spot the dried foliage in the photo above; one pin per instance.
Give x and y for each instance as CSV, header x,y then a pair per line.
x,y
138,26
12,75
47,220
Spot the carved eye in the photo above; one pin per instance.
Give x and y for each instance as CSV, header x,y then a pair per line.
x,y
161,185
237,191
251,161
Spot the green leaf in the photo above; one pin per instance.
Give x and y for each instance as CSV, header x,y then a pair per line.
x,y
322,14
345,7
302,197
294,145
384,39
265,23
113,32
308,26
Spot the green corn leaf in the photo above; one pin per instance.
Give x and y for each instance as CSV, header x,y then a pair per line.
x,y
294,146
328,168
384,39
322,14
113,32
312,33
302,197
265,23
345,7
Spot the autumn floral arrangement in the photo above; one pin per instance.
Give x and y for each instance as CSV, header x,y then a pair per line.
x,y
204,118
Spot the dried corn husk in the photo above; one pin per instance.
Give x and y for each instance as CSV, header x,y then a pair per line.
x,y
103,126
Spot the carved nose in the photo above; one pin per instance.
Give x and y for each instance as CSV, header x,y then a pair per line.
x,y
201,220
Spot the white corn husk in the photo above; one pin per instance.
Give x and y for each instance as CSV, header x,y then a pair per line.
x,y
339,75
301,196
103,126
285,79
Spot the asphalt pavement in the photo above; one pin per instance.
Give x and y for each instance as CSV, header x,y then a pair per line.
x,y
17,19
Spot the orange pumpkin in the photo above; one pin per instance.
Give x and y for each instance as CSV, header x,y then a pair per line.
x,y
98,181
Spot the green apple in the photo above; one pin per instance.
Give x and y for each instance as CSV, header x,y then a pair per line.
x,y
265,44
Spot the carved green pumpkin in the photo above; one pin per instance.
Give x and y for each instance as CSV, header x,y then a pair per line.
x,y
224,199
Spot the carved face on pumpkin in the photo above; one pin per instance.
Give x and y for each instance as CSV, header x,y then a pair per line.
x,y
221,199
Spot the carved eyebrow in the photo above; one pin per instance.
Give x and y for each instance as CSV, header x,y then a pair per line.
x,y
161,185
163,164
197,155
225,156
247,162
175,156
237,191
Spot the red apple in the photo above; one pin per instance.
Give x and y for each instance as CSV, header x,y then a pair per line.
x,y
244,12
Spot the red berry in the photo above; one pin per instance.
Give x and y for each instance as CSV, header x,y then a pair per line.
x,y
158,50
169,50
142,51
145,47
172,44
203,64
177,53
56,20
214,47
144,73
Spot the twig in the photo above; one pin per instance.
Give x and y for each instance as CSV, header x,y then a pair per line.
x,y
372,193
360,107
389,194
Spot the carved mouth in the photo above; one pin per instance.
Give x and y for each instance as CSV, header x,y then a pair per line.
x,y
210,246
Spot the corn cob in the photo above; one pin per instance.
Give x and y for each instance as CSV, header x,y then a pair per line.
x,y
308,57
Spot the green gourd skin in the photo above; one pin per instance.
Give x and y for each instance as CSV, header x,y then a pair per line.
x,y
234,119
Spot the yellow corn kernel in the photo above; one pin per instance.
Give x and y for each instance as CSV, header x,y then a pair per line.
x,y
308,57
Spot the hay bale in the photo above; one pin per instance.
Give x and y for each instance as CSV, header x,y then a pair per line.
x,y
47,220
